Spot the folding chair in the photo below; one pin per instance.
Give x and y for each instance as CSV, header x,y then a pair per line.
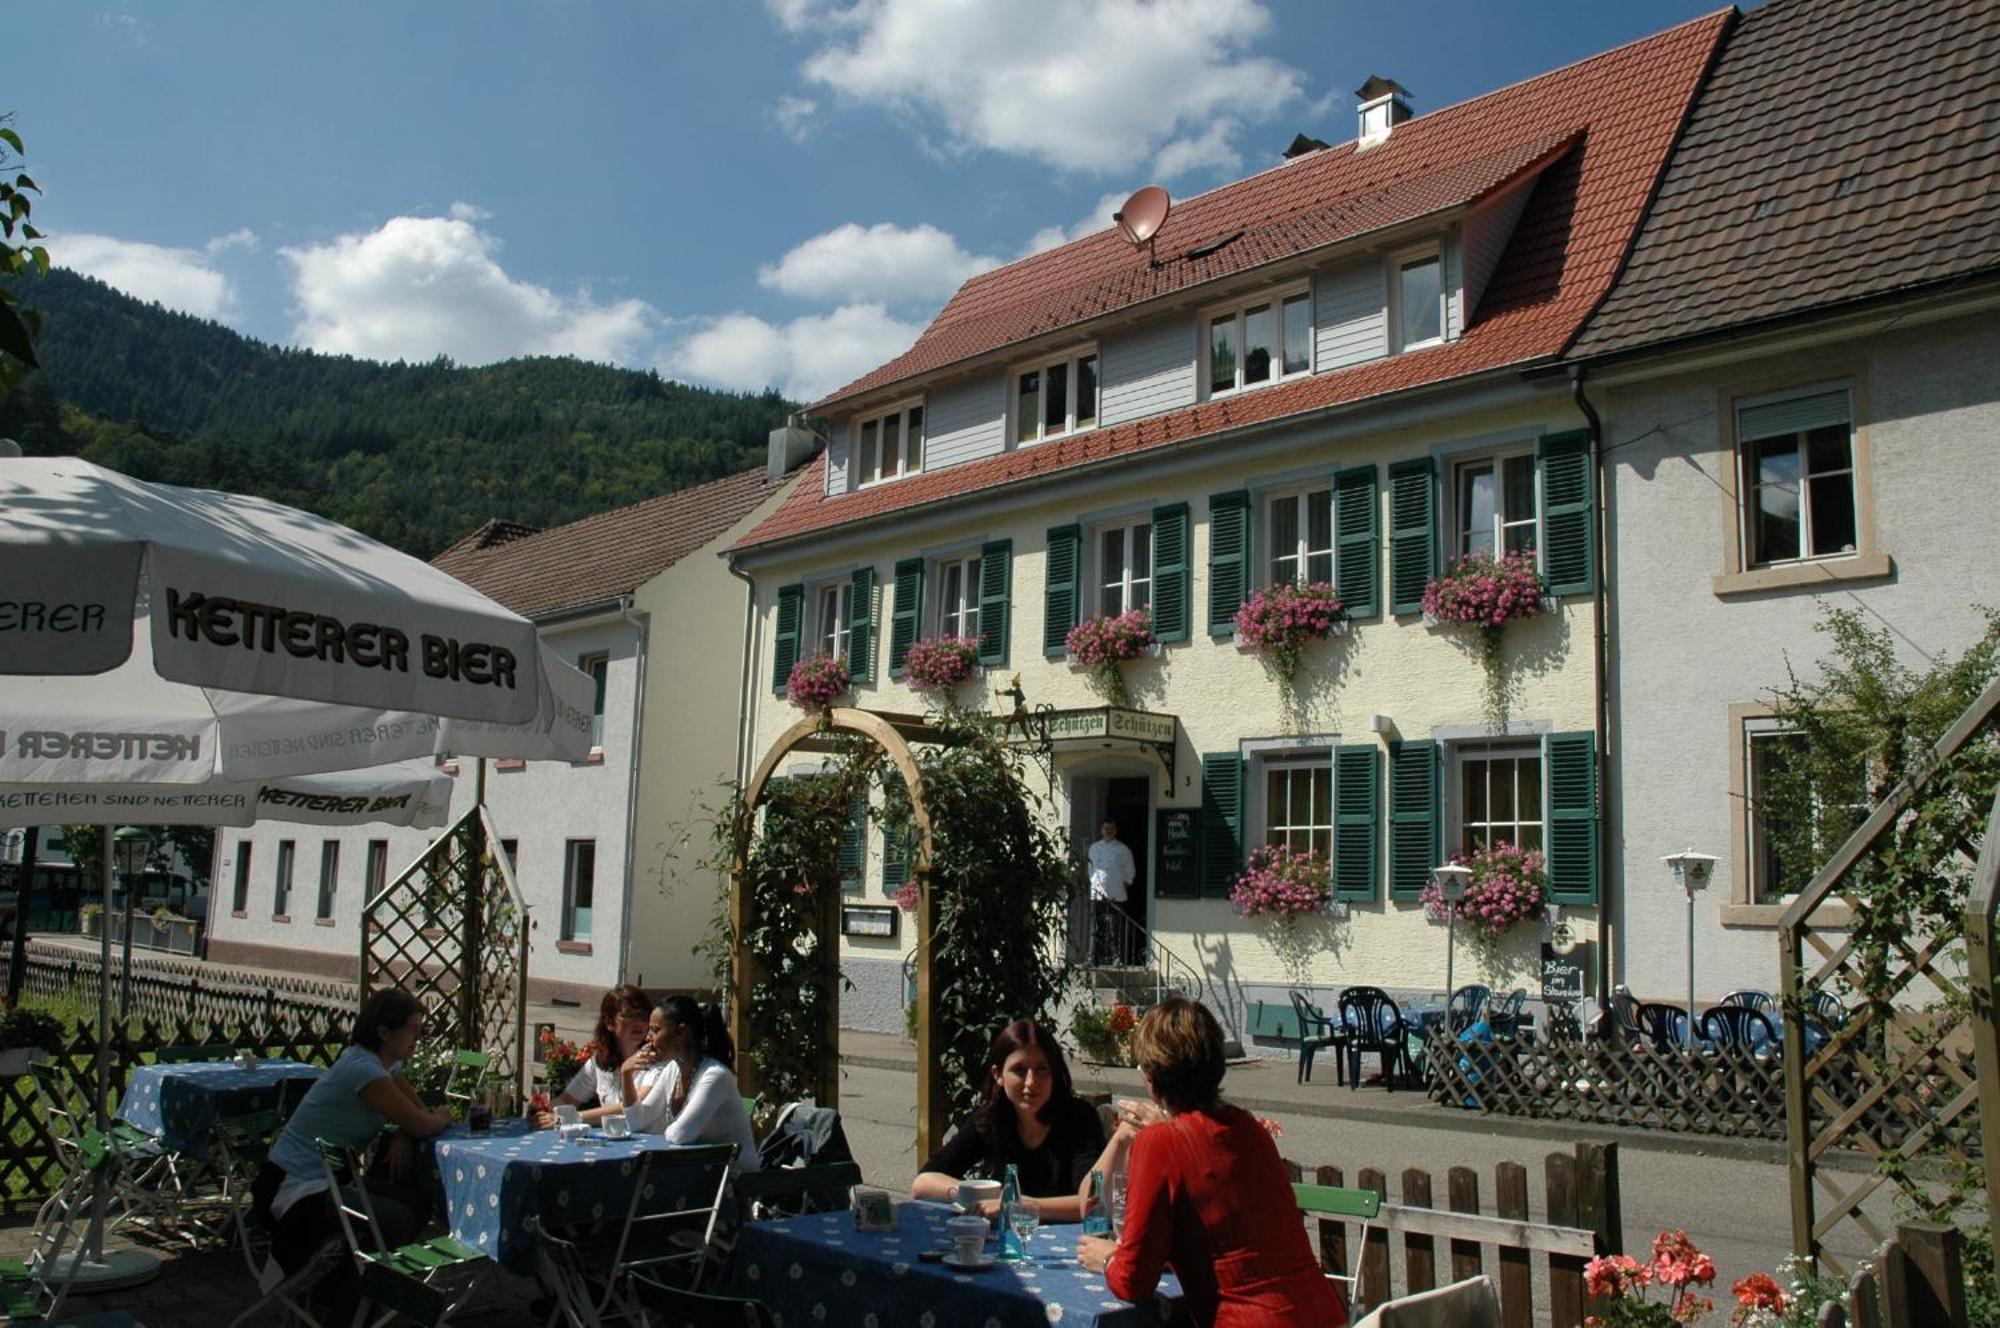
x,y
426,1281
790,1191
1472,1303
665,1237
239,1144
466,1069
1360,1206
126,1159
673,1307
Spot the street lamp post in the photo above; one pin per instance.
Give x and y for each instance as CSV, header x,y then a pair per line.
x,y
1691,872
1451,882
134,846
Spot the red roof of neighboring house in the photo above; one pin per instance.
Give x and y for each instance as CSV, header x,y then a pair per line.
x,y
1611,118
598,558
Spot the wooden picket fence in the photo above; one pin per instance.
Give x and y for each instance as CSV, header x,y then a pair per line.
x,y
1465,1239
1916,1280
176,991
29,1169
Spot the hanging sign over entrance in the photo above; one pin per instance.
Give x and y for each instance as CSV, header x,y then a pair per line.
x,y
1103,726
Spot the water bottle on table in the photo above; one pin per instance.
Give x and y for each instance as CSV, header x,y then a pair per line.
x,y
1011,1248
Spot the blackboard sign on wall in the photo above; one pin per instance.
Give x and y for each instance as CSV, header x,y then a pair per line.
x,y
1177,853
1562,975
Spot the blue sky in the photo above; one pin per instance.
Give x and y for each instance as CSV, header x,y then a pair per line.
x,y
734,193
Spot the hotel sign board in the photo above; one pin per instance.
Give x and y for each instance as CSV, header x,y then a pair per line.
x,y
1113,723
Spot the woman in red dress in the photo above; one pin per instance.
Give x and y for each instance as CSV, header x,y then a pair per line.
x,y
1206,1195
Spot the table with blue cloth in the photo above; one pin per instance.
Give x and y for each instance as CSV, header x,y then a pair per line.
x,y
818,1269
495,1185
179,1102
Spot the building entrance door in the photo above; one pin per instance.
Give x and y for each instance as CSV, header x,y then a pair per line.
x,y
1129,804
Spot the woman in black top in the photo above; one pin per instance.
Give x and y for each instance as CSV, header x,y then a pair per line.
x,y
1028,1115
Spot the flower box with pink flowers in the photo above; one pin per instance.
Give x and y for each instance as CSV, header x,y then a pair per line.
x,y
817,681
1101,646
1282,884
1278,622
1509,885
941,664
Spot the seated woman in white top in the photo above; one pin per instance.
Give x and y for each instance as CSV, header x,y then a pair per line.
x,y
598,1086
695,1099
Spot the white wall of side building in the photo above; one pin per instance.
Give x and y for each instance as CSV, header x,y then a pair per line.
x,y
1698,649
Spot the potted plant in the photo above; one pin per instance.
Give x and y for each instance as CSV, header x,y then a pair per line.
x,y
1485,593
817,681
1281,885
1104,1036
88,918
23,1032
1619,1283
1102,645
1278,622
939,665
1509,885
561,1058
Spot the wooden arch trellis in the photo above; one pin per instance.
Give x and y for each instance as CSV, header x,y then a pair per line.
x,y
894,735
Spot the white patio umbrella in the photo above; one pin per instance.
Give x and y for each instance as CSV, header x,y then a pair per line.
x,y
411,793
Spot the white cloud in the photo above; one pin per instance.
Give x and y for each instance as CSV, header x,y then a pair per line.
x,y
177,278
240,238
123,23
1212,150
883,263
1091,222
463,211
1100,87
804,359
797,116
418,287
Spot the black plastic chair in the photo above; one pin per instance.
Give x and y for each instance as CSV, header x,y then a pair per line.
x,y
1826,1007
1461,1011
1504,1015
1737,1026
1374,1022
1751,999
1625,1015
1316,1031
1665,1026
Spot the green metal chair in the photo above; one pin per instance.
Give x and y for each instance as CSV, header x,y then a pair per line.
x,y
238,1145
1361,1206
425,1281
467,1068
673,1307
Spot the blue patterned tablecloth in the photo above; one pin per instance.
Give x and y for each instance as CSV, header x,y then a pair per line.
x,y
495,1184
177,1103
818,1269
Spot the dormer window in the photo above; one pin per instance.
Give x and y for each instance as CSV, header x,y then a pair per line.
x,y
1265,340
889,446
1416,299
1055,397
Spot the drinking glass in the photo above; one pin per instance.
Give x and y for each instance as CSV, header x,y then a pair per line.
x,y
1023,1216
1115,1207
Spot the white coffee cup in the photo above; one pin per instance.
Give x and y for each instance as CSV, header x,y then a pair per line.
x,y
968,1238
969,1194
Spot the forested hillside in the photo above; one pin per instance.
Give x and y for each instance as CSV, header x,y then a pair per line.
x,y
414,454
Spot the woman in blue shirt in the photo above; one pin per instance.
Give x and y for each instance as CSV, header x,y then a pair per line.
x,y
349,1105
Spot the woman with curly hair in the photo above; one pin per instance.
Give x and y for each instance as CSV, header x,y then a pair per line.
x,y
1028,1115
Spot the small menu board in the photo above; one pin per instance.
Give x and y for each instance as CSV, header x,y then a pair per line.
x,y
1562,975
1177,853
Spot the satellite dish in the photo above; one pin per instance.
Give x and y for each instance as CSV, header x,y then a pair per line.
x,y
1143,215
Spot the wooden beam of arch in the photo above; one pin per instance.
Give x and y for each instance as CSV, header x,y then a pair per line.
x,y
887,732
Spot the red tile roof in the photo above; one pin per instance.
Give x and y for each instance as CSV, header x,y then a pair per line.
x,y
1620,109
1842,149
541,572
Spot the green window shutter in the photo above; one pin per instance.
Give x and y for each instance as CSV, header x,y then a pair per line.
x,y
1228,559
1221,822
1061,592
1572,855
908,615
1357,570
1170,572
854,847
895,851
861,627
1357,778
1569,516
1412,533
1415,844
784,654
996,585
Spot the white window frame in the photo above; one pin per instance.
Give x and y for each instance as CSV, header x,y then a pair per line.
x,y
1235,311
1315,759
1070,361
961,618
864,462
589,664
1460,753
1497,459
1266,529
836,596
570,931
329,879
1101,580
1432,252
1767,727
1749,484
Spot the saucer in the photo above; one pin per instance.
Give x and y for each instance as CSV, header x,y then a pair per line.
x,y
983,1262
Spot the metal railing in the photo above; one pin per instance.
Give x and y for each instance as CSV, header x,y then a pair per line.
x,y
1110,942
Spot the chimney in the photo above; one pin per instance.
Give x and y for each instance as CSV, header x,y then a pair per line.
x,y
791,444
1384,105
1304,145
